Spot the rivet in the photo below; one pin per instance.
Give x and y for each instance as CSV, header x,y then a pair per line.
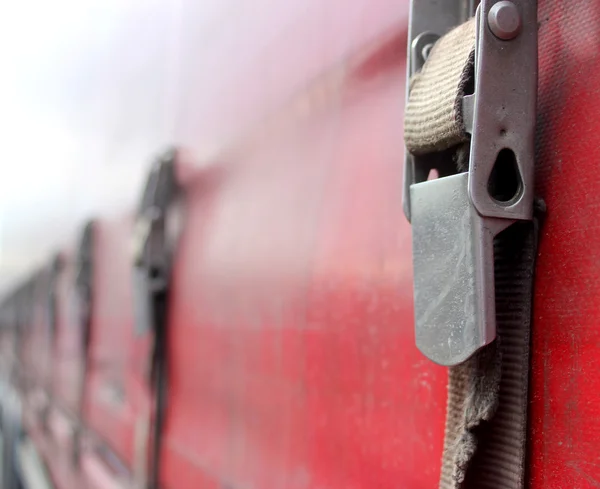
x,y
504,20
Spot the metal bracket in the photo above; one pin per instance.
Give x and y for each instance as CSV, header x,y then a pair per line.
x,y
456,217
83,289
152,260
55,268
429,20
152,273
84,280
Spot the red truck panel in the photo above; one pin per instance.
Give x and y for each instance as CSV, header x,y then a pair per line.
x,y
67,368
565,394
292,344
292,357
109,404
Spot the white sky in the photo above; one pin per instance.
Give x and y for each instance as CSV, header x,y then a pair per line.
x,y
64,76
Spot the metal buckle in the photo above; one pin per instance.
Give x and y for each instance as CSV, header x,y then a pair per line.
x,y
84,269
456,217
56,267
151,254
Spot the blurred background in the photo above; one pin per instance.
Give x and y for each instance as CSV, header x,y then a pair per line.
x,y
89,89
291,352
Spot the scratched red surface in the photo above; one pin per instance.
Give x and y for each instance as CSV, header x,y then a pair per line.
x,y
565,427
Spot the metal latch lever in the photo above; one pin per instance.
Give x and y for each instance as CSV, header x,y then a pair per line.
x,y
456,217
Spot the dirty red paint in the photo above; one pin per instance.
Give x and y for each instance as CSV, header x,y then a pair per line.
x,y
292,356
292,335
564,403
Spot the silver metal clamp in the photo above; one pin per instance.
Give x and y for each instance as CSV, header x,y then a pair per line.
x,y
456,217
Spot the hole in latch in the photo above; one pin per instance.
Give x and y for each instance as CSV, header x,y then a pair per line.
x,y
433,174
505,184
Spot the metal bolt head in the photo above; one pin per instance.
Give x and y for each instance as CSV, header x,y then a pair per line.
x,y
504,20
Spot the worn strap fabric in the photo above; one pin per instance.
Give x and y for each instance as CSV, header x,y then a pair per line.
x,y
486,423
433,118
472,400
500,462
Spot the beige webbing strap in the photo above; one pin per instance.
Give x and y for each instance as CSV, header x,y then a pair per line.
x,y
486,419
433,116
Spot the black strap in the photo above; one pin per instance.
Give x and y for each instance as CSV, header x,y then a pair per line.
x,y
158,380
84,279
